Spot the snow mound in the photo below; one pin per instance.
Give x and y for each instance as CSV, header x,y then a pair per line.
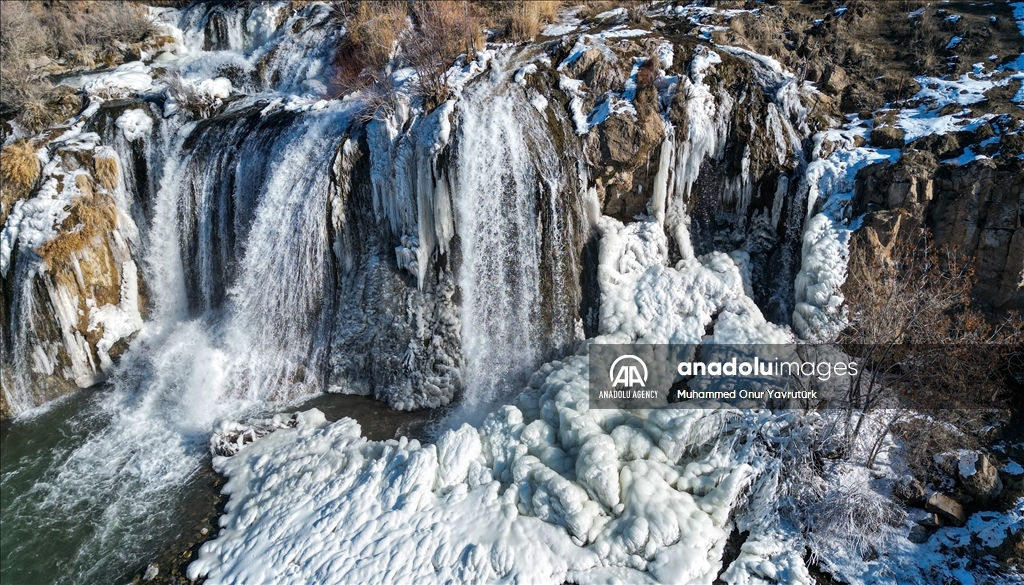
x,y
134,123
124,81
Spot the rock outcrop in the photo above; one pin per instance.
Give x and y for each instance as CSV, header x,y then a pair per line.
x,y
73,301
947,507
980,477
976,209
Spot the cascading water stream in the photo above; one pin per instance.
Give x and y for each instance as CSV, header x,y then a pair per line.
x,y
495,198
506,168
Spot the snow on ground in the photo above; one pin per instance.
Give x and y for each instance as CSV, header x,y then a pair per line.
x,y
948,555
697,15
969,88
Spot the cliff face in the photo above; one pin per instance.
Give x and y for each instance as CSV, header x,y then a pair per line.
x,y
976,209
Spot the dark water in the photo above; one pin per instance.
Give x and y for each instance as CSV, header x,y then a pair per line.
x,y
72,513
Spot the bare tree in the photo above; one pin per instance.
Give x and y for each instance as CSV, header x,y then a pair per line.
x,y
923,344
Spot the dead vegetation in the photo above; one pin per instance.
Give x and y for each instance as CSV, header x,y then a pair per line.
x,y
518,21
427,35
89,217
634,8
914,323
445,29
53,107
106,168
195,102
39,38
21,41
19,171
373,32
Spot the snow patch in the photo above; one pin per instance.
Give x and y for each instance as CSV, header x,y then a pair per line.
x,y
134,123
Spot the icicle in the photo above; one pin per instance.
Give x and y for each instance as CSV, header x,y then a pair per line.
x,y
662,178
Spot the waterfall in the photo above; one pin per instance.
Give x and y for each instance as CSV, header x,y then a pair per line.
x,y
252,223
189,368
518,218
288,250
496,203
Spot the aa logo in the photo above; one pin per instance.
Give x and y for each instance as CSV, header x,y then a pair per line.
x,y
625,372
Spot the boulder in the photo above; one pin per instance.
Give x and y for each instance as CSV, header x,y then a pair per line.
x,y
834,80
38,62
942,146
910,492
887,136
1012,474
919,534
946,507
930,521
979,476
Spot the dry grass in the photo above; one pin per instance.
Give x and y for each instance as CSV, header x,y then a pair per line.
x,y
19,171
519,21
19,165
380,38
53,107
374,29
592,8
89,218
106,170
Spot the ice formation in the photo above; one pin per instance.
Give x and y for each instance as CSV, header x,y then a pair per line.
x,y
584,495
134,123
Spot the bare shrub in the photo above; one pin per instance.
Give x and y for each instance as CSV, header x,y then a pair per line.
x,y
446,29
853,514
21,39
55,106
195,102
124,22
63,38
924,346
